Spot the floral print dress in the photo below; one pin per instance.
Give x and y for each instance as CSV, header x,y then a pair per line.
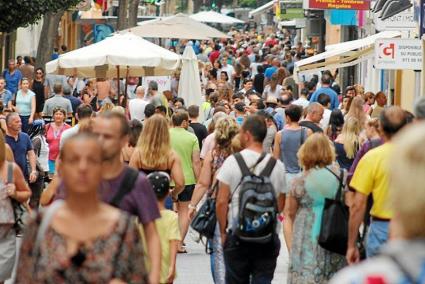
x,y
117,255
308,261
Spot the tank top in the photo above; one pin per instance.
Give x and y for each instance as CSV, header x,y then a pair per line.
x,y
23,102
149,171
291,142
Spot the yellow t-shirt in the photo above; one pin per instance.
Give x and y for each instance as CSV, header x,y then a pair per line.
x,y
168,230
371,177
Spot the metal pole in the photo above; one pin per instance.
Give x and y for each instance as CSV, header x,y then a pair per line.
x,y
124,101
118,83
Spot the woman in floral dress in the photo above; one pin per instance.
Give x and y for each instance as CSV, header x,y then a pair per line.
x,y
85,240
308,261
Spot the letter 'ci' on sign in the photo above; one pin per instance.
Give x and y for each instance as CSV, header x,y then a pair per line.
x,y
398,54
387,51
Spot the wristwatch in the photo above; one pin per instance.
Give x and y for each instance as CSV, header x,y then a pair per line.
x,y
191,206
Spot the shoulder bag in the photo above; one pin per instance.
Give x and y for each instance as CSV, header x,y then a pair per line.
x,y
205,220
334,228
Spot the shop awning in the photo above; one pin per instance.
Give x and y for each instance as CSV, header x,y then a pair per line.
x,y
269,5
261,9
343,54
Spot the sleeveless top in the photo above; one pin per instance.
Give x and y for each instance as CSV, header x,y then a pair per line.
x,y
149,171
23,102
291,142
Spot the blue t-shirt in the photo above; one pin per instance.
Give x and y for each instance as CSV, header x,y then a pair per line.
x,y
328,91
270,71
12,80
6,96
20,149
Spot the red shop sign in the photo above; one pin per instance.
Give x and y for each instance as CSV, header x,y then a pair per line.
x,y
340,4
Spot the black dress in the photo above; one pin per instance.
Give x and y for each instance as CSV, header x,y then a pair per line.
x,y
38,89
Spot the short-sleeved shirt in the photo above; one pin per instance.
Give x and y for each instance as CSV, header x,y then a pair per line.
x,y
185,144
56,101
231,175
5,96
136,107
328,91
140,201
201,132
75,102
12,80
270,71
168,230
20,148
371,177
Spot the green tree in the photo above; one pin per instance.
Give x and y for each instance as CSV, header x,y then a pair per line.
x,y
21,13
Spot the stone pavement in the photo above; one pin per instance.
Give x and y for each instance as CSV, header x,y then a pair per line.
x,y
194,267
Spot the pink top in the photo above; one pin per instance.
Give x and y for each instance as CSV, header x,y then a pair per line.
x,y
53,138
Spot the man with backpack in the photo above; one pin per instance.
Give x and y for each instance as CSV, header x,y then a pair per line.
x,y
251,194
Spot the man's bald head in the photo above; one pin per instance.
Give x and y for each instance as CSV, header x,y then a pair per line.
x,y
392,119
140,91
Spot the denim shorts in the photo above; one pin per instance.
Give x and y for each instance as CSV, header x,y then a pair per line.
x,y
186,194
377,236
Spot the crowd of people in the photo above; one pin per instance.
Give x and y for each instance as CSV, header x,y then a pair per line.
x,y
120,180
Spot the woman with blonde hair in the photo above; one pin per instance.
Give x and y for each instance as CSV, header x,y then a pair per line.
x,y
153,152
356,111
348,143
225,130
12,188
308,261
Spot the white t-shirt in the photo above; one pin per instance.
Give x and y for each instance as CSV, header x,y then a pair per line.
x,y
324,123
301,102
136,107
268,92
230,174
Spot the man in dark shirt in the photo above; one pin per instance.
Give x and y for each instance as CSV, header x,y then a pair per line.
x,y
21,146
314,116
113,130
259,80
75,102
200,130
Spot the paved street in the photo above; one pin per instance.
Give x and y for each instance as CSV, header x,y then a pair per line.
x,y
194,267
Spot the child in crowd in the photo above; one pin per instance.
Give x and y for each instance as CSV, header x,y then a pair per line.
x,y
167,226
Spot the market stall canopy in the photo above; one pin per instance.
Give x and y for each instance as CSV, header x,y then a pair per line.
x,y
215,18
343,54
102,59
179,26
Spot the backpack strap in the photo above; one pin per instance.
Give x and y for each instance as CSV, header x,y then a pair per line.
x,y
303,134
242,165
126,186
9,172
267,171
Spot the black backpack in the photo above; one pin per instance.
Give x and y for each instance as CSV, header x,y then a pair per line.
x,y
257,216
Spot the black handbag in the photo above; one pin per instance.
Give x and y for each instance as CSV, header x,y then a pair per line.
x,y
334,228
205,220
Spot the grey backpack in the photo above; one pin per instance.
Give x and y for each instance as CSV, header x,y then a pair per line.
x,y
257,215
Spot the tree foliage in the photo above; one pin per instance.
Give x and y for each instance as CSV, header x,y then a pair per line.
x,y
21,13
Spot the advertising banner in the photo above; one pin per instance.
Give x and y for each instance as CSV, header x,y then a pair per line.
x,y
340,4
